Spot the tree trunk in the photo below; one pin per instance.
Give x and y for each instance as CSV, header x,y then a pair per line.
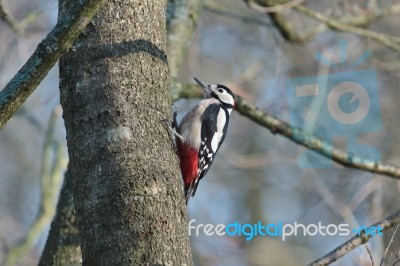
x,y
115,93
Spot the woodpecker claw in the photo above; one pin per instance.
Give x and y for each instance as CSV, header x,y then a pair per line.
x,y
174,115
172,127
171,132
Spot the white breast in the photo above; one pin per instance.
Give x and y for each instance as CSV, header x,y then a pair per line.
x,y
190,129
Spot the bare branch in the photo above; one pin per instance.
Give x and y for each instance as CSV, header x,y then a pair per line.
x,y
343,24
182,17
307,140
283,24
389,41
388,222
288,30
361,20
366,18
59,40
215,8
6,18
298,135
274,8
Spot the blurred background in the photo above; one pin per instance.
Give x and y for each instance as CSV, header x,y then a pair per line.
x,y
257,176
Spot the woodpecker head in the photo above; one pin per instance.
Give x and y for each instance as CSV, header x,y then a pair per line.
x,y
219,92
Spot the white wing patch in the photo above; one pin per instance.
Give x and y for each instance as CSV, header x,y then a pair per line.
x,y
215,140
221,120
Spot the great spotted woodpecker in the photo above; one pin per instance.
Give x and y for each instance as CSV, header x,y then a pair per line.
x,y
201,133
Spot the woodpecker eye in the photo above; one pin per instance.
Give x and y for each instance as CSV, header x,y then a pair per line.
x,y
220,90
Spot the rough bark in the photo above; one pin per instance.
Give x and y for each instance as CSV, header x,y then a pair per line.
x,y
115,94
62,246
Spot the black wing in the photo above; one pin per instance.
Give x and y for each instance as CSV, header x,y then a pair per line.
x,y
206,154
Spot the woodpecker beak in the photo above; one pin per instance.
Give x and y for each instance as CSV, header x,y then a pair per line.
x,y
203,85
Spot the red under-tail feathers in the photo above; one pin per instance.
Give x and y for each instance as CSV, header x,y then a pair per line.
x,y
188,157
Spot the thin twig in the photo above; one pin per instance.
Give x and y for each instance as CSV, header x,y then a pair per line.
x,y
371,15
370,255
6,18
366,190
343,24
332,202
286,28
389,41
390,243
58,41
356,241
275,8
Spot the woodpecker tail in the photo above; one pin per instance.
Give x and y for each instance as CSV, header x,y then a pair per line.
x,y
190,190
188,193
188,157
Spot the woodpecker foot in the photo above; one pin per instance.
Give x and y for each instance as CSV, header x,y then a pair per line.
x,y
170,130
175,123
174,115
171,127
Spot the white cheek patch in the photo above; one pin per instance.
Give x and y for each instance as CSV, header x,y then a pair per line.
x,y
226,98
